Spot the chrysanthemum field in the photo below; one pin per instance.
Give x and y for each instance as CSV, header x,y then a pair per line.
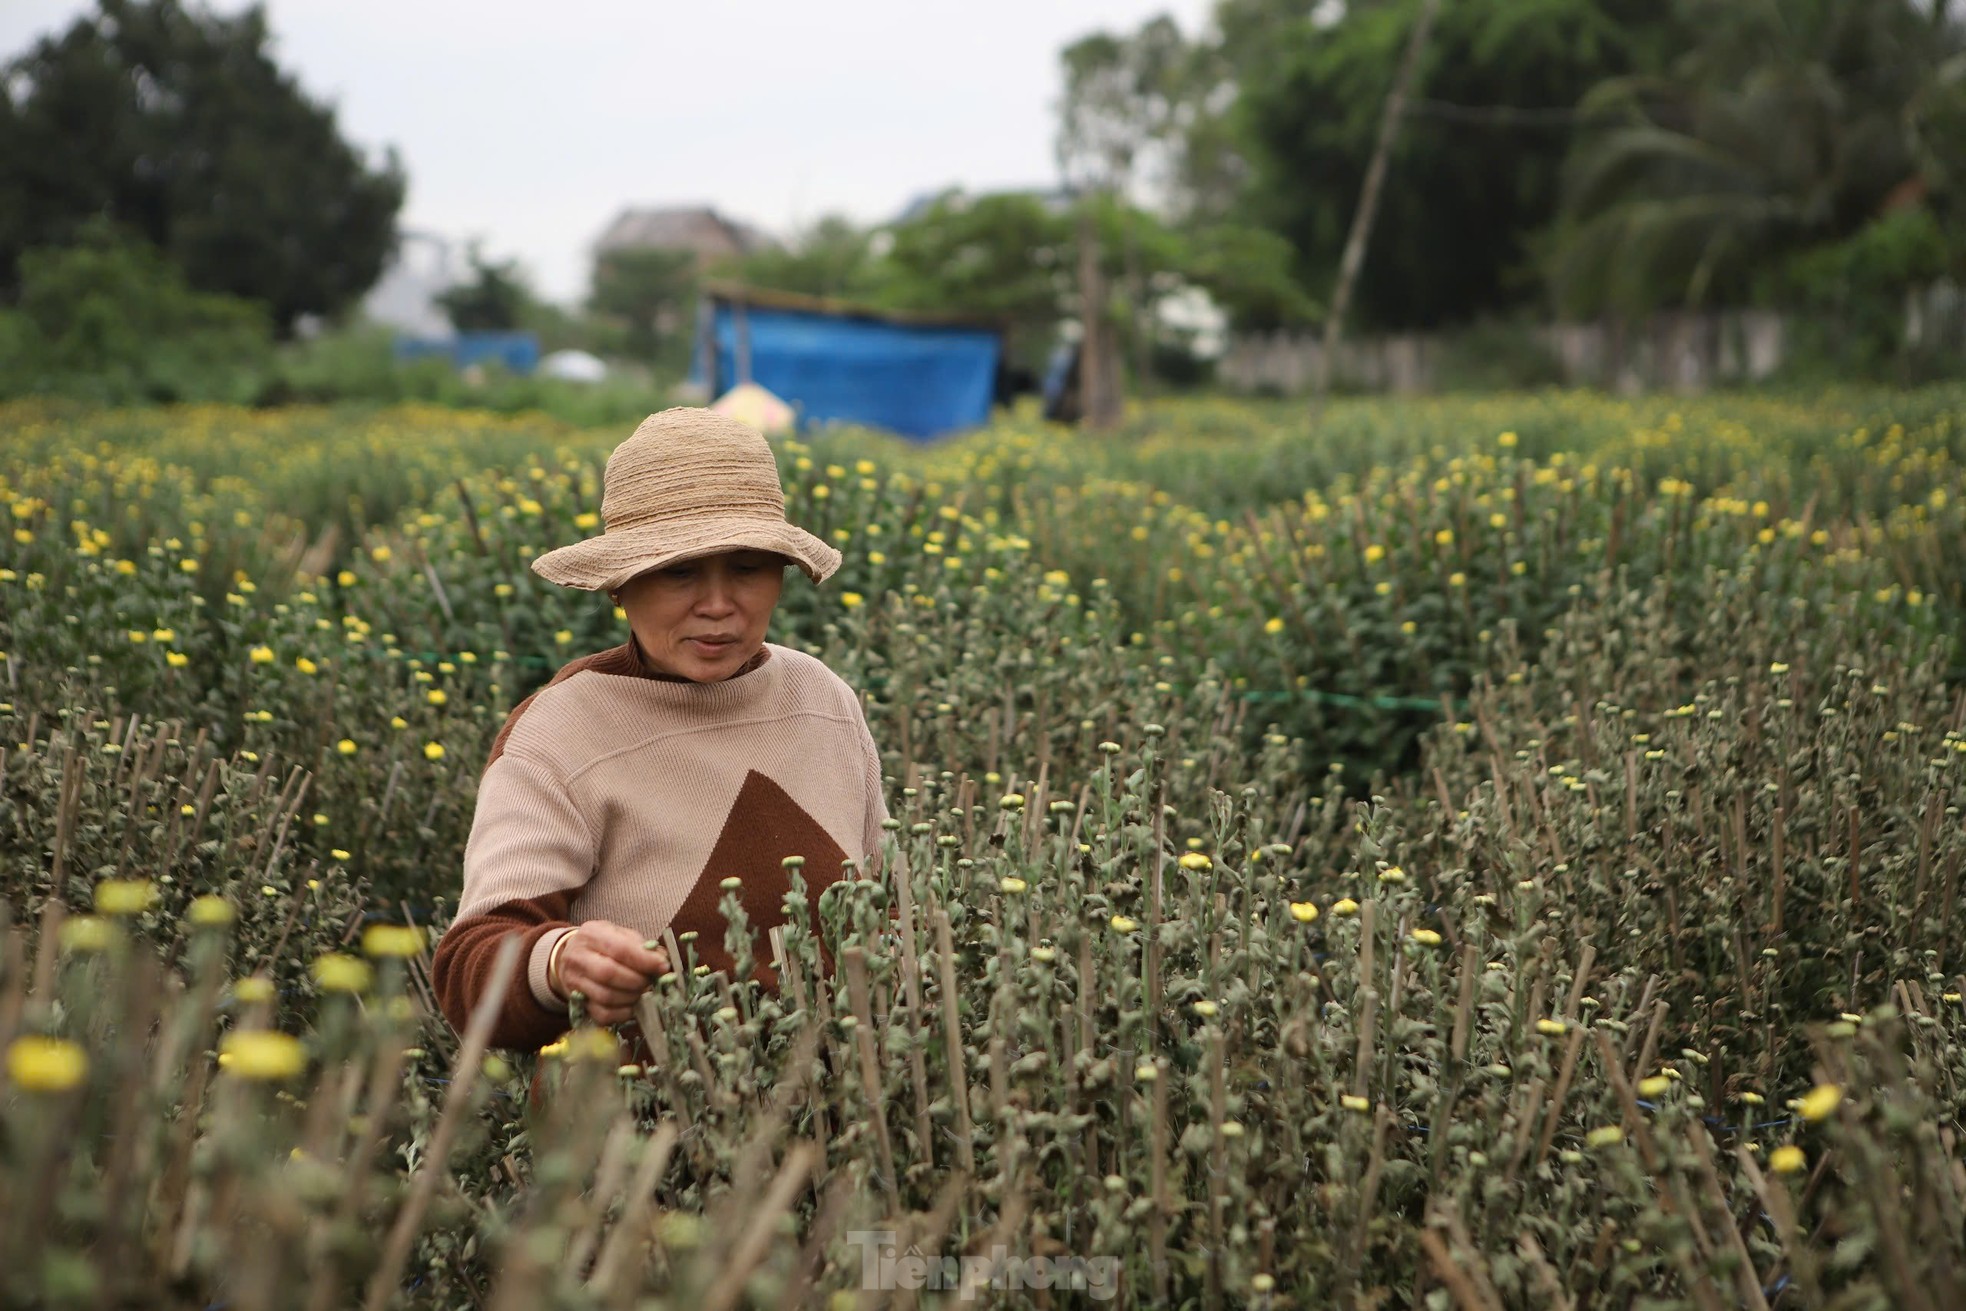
x,y
1476,853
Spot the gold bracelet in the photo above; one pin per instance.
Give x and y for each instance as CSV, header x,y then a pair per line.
x,y
553,981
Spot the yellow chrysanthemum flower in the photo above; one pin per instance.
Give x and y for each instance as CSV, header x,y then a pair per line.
x,y
1820,1102
592,1044
261,1055
125,896
253,989
210,911
45,1065
398,940
86,934
338,973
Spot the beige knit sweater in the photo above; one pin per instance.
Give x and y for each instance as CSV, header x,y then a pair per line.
x,y
619,793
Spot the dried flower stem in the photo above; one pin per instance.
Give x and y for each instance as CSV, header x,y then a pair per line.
x,y
855,959
464,1076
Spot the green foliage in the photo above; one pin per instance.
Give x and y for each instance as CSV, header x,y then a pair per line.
x,y
356,368
1124,98
833,258
1005,257
1491,355
1250,273
177,124
1777,131
1466,192
494,298
112,321
1860,283
647,294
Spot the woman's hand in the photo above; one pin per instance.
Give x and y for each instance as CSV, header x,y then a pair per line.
x,y
609,964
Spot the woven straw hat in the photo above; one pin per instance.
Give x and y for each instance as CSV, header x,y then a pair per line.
x,y
688,483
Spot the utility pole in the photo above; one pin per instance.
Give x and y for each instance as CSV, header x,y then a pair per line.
x,y
1368,200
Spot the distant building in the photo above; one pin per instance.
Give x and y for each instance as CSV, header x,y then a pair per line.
x,y
423,268
698,229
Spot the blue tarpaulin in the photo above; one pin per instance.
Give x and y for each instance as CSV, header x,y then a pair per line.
x,y
920,380
516,351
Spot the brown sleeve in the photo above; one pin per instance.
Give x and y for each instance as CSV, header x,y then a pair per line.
x,y
462,964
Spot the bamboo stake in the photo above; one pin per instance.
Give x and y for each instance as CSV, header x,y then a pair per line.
x,y
1562,1091
952,1028
911,989
629,1237
477,1036
855,959
799,1162
1458,1282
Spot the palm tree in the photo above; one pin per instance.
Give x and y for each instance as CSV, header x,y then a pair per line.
x,y
1788,123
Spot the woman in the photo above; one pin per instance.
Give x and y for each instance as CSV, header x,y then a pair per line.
x,y
619,796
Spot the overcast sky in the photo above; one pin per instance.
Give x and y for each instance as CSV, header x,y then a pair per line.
x,y
529,123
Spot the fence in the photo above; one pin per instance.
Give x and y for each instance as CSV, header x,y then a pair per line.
x,y
1675,352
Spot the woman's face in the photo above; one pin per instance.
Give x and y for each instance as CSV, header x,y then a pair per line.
x,y
702,619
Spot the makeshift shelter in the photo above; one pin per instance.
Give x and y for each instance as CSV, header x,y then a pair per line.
x,y
920,376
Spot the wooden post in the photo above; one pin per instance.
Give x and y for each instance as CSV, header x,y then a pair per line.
x,y
707,309
1099,383
741,330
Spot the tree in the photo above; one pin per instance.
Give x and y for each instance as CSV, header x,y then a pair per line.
x,y
832,258
1353,260
177,125
1779,130
647,293
1477,168
1004,257
494,299
1127,101
1124,97
1144,119
110,319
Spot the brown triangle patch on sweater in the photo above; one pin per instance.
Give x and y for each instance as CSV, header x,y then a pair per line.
x,y
763,827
